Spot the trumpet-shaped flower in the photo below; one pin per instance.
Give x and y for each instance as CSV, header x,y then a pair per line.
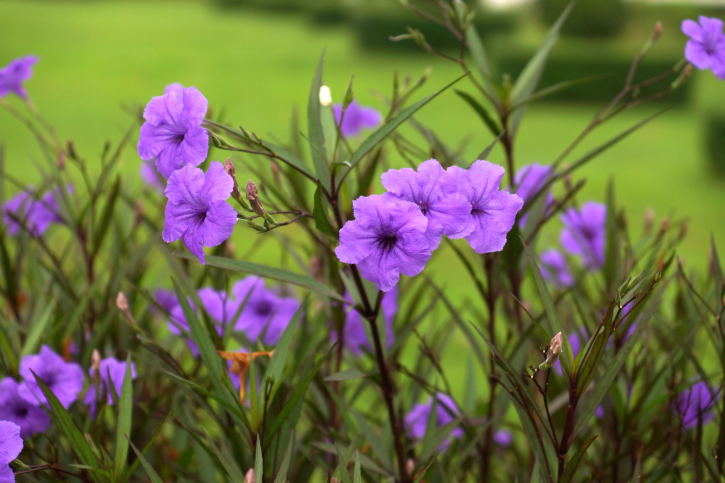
x,y
584,233
356,118
354,336
493,211
64,379
31,419
447,212
265,314
706,47
114,369
172,133
695,403
529,181
416,421
197,211
14,74
25,212
555,269
387,238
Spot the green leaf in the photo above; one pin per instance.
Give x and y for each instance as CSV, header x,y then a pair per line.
x,y
321,221
135,464
37,330
67,426
554,89
299,392
528,79
346,375
372,439
282,473
378,136
258,463
314,127
481,111
611,371
484,154
155,478
230,466
106,216
275,368
576,459
422,473
475,46
268,272
125,411
718,275
357,476
612,266
290,159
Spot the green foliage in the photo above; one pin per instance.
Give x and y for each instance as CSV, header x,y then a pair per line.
x,y
590,18
715,142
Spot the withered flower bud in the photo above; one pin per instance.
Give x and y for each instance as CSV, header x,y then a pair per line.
x,y
409,466
552,354
96,367
229,168
253,197
61,161
121,301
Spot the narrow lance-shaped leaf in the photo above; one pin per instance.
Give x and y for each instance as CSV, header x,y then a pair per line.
x,y
258,462
481,111
230,466
611,269
478,52
576,459
282,474
269,272
125,412
314,127
155,478
321,221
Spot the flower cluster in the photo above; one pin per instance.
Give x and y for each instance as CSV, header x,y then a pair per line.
x,y
11,444
396,232
706,47
14,74
31,213
260,314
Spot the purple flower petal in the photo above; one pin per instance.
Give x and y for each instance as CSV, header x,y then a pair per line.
x,y
555,269
14,74
706,47
11,444
117,371
416,421
64,379
356,118
696,403
584,233
13,408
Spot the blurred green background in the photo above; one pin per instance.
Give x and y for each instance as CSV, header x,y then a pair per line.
x,y
255,59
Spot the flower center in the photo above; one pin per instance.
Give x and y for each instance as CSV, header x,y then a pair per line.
x,y
388,243
264,308
178,139
423,207
21,411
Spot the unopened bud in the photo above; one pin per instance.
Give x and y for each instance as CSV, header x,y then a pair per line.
x,y
649,220
61,161
253,197
325,96
684,75
229,168
665,225
658,276
552,354
96,367
348,96
657,33
121,301
334,480
410,466
71,150
683,230
249,477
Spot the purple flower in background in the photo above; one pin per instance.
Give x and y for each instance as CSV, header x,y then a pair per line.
x,y
529,181
64,379
166,299
503,438
354,336
447,213
151,177
265,313
11,444
23,211
493,211
706,47
197,211
386,238
15,73
356,118
172,133
555,269
117,372
584,233
696,402
575,343
416,421
31,419
219,306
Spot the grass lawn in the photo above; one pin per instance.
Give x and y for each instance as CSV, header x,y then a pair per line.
x,y
96,56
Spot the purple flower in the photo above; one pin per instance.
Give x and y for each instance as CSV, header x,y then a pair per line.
x,y
212,303
416,421
493,211
386,238
555,269
219,306
356,118
117,372
197,211
151,177
503,437
584,233
265,313
31,419
529,181
11,444
695,403
14,74
166,299
23,211
706,47
64,379
447,213
6,473
172,133
354,336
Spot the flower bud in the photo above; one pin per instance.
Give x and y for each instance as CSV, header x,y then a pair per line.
x,y
334,480
325,96
552,354
249,477
410,466
649,219
121,301
253,197
684,75
96,367
229,168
